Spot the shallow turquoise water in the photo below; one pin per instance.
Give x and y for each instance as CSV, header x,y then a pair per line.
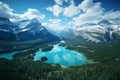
x,y
62,56
10,55
7,55
58,55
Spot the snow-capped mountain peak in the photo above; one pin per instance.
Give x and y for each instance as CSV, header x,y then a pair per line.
x,y
104,31
35,20
105,22
25,30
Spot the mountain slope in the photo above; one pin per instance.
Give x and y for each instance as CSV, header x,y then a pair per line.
x,y
104,31
32,30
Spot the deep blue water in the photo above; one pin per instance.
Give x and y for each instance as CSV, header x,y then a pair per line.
x,y
61,55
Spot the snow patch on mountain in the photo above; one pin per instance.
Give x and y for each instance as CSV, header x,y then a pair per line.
x,y
101,32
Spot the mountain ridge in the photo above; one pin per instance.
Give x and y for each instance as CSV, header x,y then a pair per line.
x,y
32,30
103,31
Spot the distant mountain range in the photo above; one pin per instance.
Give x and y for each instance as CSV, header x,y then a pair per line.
x,y
104,31
24,30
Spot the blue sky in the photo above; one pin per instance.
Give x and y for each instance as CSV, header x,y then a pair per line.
x,y
22,5
60,13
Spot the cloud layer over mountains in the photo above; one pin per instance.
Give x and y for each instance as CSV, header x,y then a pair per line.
x,y
75,14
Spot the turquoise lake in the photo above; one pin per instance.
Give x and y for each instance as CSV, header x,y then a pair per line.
x,y
10,55
58,55
61,55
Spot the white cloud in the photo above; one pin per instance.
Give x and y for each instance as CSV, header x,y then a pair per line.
x,y
71,11
92,14
54,25
86,4
71,2
87,12
71,23
56,9
31,13
6,11
67,11
112,15
59,2
56,21
66,0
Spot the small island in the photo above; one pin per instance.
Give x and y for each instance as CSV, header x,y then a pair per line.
x,y
44,58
